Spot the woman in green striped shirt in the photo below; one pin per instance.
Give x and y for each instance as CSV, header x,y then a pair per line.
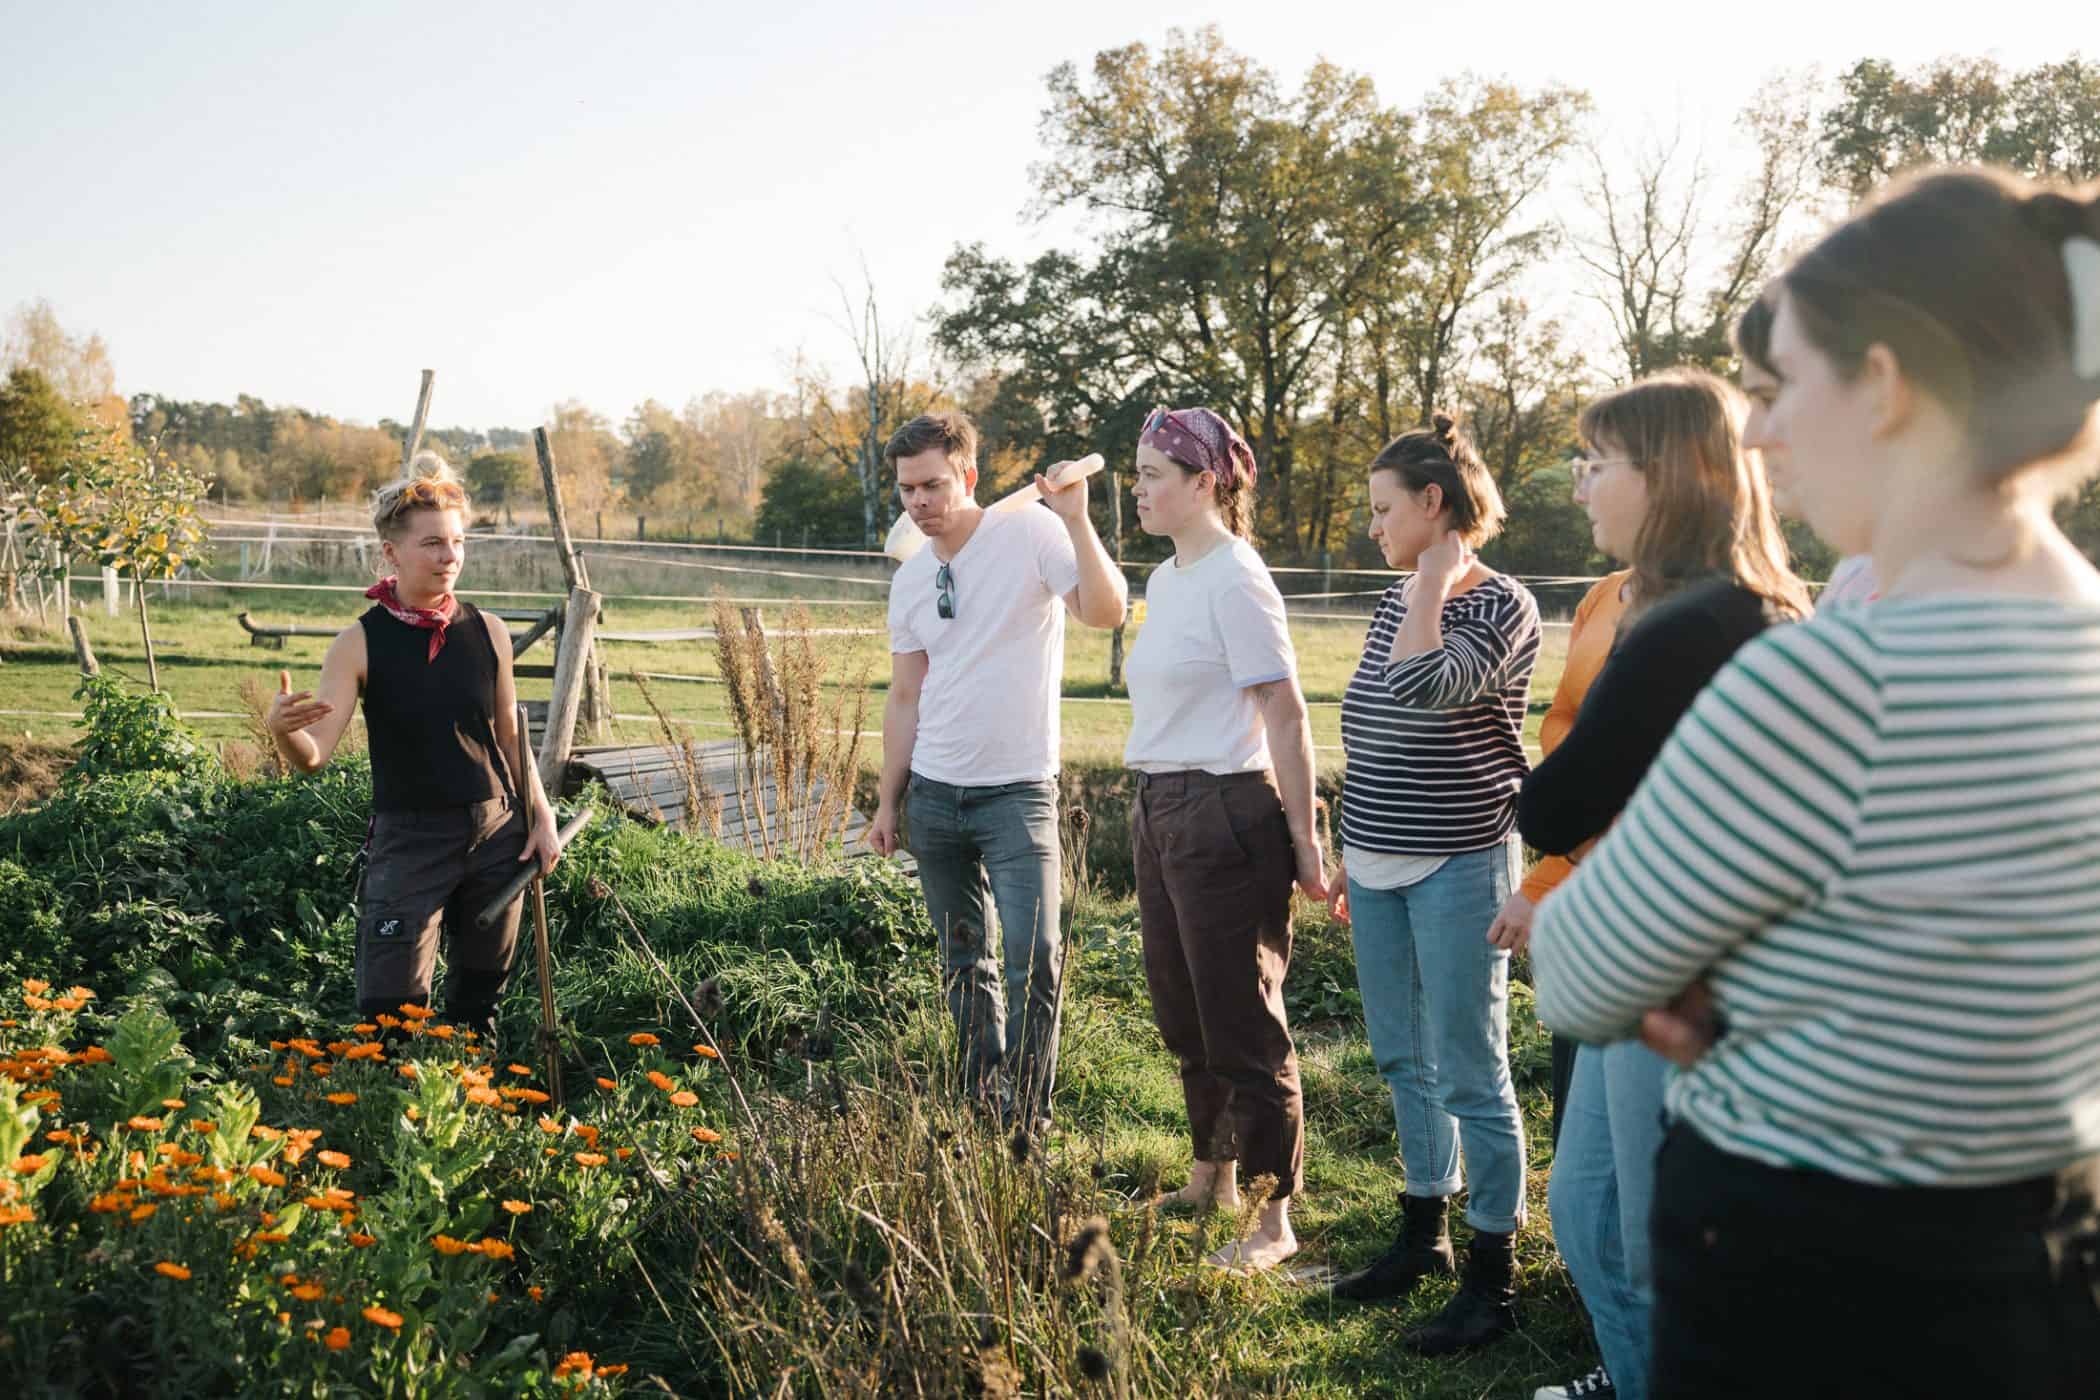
x,y
1858,894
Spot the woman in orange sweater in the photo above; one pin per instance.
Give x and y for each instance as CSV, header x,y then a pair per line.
x,y
1590,639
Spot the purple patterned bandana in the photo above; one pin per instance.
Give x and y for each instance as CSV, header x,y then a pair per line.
x,y
1199,438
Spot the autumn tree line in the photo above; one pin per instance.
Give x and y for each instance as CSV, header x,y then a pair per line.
x,y
1314,262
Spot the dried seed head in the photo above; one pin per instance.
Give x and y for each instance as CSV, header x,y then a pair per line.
x,y
599,889
1093,1363
1083,1254
756,888
707,998
1021,1145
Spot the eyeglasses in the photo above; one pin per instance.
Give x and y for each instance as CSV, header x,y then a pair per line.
x,y
1581,469
944,603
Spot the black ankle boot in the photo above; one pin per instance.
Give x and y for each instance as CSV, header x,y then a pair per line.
x,y
1422,1248
1485,1306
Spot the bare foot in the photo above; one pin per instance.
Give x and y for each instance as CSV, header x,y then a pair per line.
x,y
1264,1249
1202,1195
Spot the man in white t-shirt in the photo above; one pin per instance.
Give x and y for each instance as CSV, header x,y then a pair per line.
x,y
977,643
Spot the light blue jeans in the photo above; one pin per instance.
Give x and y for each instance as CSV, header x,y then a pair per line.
x,y
1436,1002
1602,1190
988,861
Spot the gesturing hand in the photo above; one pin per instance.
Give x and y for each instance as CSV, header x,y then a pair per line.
x,y
291,712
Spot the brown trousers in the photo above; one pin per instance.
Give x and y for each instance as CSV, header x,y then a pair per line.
x,y
433,872
1214,875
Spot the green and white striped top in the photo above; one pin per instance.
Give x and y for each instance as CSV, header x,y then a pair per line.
x,y
1878,835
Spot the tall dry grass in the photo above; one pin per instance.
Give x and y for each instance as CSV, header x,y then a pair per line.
x,y
798,754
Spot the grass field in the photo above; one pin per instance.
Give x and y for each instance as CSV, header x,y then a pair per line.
x,y
204,657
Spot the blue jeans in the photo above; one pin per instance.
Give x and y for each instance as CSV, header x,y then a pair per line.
x,y
981,848
1602,1191
1436,1002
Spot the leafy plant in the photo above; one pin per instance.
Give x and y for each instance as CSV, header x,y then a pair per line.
x,y
127,733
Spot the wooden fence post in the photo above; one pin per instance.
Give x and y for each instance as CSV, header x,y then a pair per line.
x,y
597,700
415,430
572,671
82,652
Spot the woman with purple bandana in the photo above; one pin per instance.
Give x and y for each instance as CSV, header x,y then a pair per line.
x,y
1223,822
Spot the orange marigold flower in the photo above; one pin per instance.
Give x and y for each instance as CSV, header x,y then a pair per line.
x,y
486,1097
171,1270
438,1032
623,1153
520,1070
446,1245
360,1240
707,1052
67,1003
524,1095
331,1158
590,1159
36,1003
29,1165
552,1153
662,1081
535,1293
496,1249
588,1133
406,1071
203,1125
367,1050
389,1022
605,1083
266,1176
337,1339
365,1028
320,1071
416,1013
16,1215
643,1038
35,986
140,1214
619,1370
176,1104
143,1124
686,1098
282,1081
44,1096
706,1135
576,1363
495,1298
412,1114
518,1207
94,1055
308,1292
380,1317
341,1100
265,1132
60,1135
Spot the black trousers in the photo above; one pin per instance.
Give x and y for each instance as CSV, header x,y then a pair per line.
x,y
1780,1282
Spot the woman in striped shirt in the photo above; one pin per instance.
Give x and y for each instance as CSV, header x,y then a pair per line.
x,y
1856,894
1433,723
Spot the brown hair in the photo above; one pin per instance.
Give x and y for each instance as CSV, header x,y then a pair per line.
x,y
1442,455
1234,499
431,485
1961,274
1753,333
953,433
1709,505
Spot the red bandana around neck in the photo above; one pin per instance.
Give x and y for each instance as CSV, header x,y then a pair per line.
x,y
434,620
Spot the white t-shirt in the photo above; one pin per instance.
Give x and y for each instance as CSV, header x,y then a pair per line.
x,y
1211,630
988,710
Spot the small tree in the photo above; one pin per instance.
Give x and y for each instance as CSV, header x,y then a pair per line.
x,y
134,509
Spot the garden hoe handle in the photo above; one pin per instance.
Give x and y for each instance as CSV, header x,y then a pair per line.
x,y
550,1038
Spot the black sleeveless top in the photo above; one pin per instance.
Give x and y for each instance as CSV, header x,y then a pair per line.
x,y
431,722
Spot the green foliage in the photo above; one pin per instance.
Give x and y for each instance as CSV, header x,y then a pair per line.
x,y
802,494
495,476
127,733
130,508
37,425
2044,120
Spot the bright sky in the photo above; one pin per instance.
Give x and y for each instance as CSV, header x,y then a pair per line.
x,y
618,201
